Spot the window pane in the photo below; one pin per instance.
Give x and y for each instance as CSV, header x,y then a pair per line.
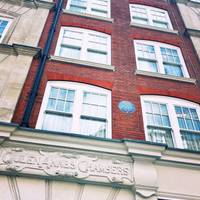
x,y
187,118
94,110
77,8
156,108
70,52
150,120
191,141
70,95
160,136
197,125
97,43
174,70
148,107
51,104
146,51
194,114
170,55
189,124
140,20
59,98
102,13
93,128
158,120
166,121
159,16
62,94
68,107
57,123
60,105
160,24
178,110
163,108
181,123
94,105
157,114
80,3
148,65
95,56
53,92
3,24
139,12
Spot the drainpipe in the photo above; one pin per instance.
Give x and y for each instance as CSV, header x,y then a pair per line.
x,y
43,59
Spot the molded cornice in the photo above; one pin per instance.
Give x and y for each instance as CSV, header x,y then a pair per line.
x,y
18,49
33,3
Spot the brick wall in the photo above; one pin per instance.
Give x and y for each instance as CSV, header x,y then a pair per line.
x,y
122,82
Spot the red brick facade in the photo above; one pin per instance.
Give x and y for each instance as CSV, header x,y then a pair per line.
x,y
123,82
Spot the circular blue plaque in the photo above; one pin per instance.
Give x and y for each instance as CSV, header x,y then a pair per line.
x,y
126,107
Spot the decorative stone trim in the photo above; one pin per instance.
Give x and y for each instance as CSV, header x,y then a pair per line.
x,y
83,63
170,196
110,20
65,164
165,76
193,32
120,148
31,3
18,49
154,28
188,2
122,163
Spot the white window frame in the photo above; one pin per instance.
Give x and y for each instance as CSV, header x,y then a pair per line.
x,y
149,16
6,28
159,59
78,100
84,45
170,103
89,7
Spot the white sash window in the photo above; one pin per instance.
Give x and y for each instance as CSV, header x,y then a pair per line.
x,y
83,44
171,121
76,108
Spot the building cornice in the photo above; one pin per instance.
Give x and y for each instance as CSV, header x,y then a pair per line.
x,y
126,147
193,32
188,3
35,4
18,49
85,159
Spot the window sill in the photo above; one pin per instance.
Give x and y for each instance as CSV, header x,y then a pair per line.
x,y
165,76
110,20
83,63
154,28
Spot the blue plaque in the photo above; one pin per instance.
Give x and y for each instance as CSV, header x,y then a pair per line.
x,y
126,107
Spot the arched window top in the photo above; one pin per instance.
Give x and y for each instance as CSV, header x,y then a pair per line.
x,y
73,107
84,44
173,121
93,7
147,15
160,57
